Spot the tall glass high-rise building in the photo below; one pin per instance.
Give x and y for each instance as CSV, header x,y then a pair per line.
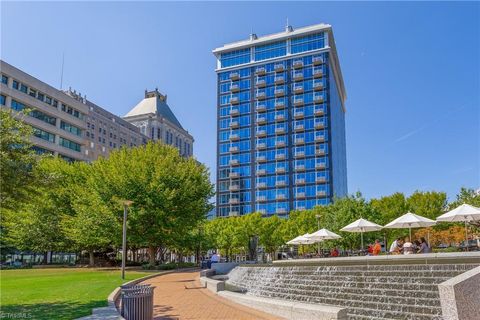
x,y
281,123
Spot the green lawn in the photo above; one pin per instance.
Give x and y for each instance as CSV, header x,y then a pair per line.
x,y
57,293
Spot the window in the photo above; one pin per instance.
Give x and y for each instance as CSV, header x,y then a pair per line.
x,y
71,111
307,43
48,100
2,99
17,105
39,133
15,84
270,50
55,103
70,128
69,144
4,79
43,117
32,93
88,134
235,57
40,96
23,88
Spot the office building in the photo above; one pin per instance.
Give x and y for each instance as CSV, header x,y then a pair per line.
x,y
58,120
106,131
281,123
157,121
66,124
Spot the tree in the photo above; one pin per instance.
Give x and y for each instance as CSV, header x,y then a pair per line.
x,y
468,196
271,234
429,204
169,193
344,211
17,160
93,227
387,209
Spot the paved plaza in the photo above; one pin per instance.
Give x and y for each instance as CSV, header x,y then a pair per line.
x,y
180,296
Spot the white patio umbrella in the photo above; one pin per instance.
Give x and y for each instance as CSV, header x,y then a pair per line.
x,y
410,220
463,213
361,225
323,234
303,239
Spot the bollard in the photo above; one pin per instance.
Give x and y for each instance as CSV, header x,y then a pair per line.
x,y
137,302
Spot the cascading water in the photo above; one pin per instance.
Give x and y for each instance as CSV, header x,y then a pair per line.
x,y
407,292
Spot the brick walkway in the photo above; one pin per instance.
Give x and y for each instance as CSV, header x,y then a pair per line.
x,y
179,296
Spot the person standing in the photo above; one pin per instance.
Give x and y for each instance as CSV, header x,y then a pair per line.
x,y
215,258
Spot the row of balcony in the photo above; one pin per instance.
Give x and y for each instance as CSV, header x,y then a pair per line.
x,y
279,67
297,87
302,182
279,170
279,104
261,108
281,156
297,196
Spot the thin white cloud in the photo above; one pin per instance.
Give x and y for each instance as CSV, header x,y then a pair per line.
x,y
428,124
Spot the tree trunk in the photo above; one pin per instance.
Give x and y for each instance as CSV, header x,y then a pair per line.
x,y
151,255
45,257
92,259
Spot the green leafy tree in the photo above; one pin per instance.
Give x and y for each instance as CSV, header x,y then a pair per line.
x,y
271,234
17,160
169,193
429,204
17,180
344,211
387,209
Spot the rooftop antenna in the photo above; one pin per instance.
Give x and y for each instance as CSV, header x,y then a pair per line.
x,y
61,76
288,27
253,36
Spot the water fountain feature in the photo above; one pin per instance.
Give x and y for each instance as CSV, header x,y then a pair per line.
x,y
395,291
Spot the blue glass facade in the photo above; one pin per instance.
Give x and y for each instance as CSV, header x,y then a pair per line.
x,y
281,128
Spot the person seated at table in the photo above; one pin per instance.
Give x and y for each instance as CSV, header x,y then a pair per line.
x,y
407,246
334,252
377,248
395,248
370,249
424,247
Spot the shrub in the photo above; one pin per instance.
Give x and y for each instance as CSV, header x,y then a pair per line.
x,y
168,266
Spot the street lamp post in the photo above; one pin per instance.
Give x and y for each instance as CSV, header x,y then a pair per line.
x,y
126,204
318,228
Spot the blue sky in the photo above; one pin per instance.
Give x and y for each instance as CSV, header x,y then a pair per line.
x,y
411,72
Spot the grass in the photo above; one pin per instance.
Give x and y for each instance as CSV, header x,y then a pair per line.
x,y
57,293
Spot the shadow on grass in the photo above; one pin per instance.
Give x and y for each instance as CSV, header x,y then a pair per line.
x,y
50,311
